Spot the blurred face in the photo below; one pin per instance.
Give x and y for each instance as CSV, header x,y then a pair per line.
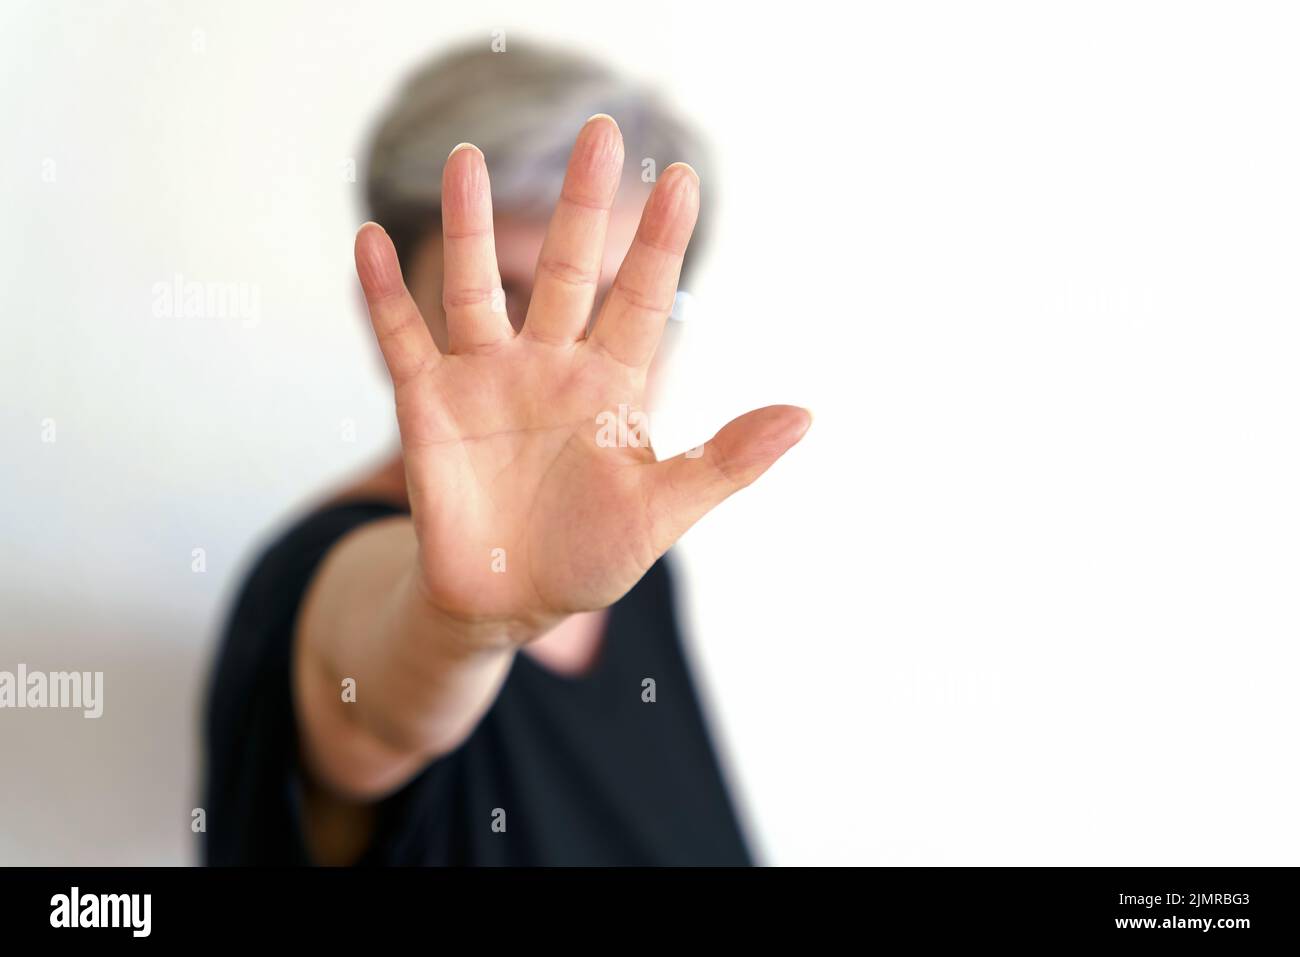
x,y
518,243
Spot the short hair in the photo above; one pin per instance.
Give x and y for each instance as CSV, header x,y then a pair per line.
x,y
522,108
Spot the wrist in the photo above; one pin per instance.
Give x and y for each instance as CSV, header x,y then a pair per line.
x,y
462,634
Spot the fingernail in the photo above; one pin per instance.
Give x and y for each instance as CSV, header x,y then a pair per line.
x,y
685,166
806,425
461,146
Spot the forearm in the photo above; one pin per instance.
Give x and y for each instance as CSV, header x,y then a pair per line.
x,y
420,681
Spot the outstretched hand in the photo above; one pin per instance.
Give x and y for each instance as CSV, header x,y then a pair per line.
x,y
524,509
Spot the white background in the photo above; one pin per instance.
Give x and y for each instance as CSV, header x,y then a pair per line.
x,y
1027,593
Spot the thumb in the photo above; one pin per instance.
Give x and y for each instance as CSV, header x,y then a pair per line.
x,y
682,490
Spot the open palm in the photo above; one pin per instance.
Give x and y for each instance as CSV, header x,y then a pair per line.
x,y
533,491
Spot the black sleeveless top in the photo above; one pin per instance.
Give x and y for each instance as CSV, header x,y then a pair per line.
x,y
560,771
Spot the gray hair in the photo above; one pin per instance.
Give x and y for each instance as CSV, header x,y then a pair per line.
x,y
522,108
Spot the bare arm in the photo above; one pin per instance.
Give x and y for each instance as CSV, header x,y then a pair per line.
x,y
421,680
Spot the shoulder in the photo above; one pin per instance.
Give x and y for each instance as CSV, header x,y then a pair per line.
x,y
284,564
291,554
259,623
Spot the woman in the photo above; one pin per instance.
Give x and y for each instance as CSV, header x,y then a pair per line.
x,y
471,656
